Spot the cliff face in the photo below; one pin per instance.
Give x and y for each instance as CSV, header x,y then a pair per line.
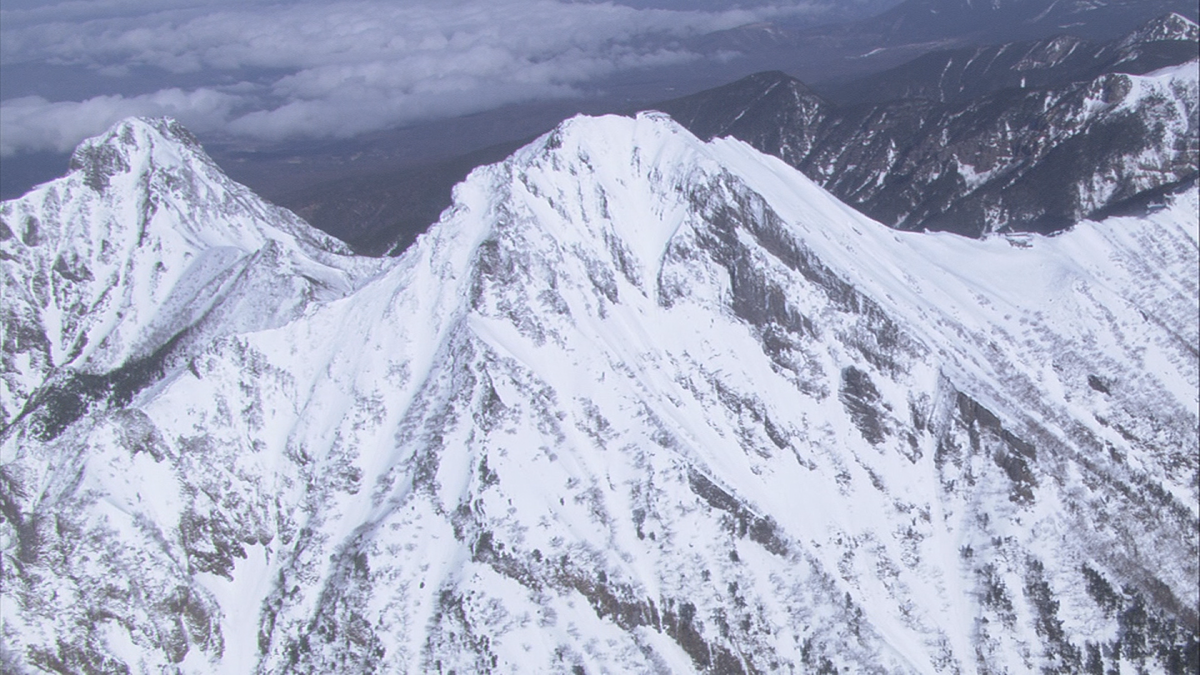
x,y
638,403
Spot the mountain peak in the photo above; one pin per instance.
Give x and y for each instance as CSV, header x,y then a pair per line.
x,y
159,162
577,165
114,152
140,245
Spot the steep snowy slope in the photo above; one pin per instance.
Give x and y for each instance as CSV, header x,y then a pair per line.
x,y
143,246
644,404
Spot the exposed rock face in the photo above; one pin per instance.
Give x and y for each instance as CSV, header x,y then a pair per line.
x,y
640,403
1027,137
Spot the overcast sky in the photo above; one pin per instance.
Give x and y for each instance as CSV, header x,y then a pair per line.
x,y
310,69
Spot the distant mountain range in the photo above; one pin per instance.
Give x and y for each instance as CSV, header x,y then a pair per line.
x,y
926,20
1022,137
838,52
958,75
950,21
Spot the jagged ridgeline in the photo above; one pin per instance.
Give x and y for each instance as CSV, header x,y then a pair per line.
x,y
1019,137
637,403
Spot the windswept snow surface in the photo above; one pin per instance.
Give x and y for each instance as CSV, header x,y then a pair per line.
x,y
640,403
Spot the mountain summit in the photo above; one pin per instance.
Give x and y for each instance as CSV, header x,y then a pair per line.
x,y
639,403
143,246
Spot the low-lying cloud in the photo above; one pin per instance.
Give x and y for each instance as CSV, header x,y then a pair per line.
x,y
32,123
335,69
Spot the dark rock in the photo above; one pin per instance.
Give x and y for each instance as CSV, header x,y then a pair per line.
x,y
745,522
861,400
31,233
98,163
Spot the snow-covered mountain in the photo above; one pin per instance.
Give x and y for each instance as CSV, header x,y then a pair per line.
x,y
637,403
143,246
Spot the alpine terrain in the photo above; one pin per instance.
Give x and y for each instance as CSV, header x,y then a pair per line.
x,y
637,403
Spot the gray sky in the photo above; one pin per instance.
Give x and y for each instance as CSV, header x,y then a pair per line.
x,y
289,69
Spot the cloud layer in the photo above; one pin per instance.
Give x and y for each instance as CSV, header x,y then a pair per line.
x,y
304,68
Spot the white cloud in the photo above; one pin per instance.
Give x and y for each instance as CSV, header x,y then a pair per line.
x,y
33,123
337,68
